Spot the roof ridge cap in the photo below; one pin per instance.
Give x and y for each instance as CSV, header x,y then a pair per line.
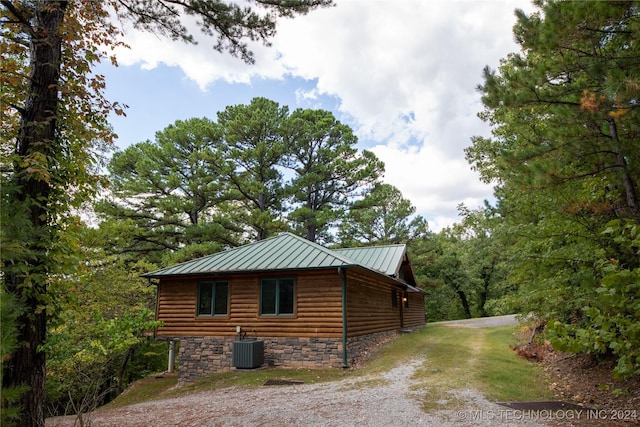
x,y
324,249
373,247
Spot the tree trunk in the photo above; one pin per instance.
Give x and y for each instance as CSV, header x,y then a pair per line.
x,y
627,180
465,303
311,233
28,197
486,275
123,367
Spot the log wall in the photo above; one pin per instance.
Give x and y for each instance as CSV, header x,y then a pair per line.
x,y
318,308
414,315
369,305
311,337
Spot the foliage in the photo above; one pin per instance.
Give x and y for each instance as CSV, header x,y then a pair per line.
x,y
105,312
166,194
86,367
611,316
55,126
53,133
203,186
329,171
451,290
9,312
465,268
253,148
563,155
382,217
230,23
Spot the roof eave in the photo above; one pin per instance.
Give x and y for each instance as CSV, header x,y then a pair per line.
x,y
250,271
400,282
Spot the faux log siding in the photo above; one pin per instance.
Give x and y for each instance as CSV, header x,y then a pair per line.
x,y
318,308
415,314
369,308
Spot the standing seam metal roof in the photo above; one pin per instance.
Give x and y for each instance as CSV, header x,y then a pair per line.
x,y
387,259
283,252
287,251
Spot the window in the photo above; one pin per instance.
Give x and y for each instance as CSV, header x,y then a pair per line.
x,y
213,298
277,297
394,298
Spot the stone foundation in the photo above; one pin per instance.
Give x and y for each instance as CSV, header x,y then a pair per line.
x,y
200,356
360,348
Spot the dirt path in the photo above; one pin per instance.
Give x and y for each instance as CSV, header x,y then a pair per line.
x,y
386,400
482,322
391,399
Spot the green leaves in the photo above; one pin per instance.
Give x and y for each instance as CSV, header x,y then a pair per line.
x,y
382,217
216,184
565,160
254,148
329,171
230,23
167,190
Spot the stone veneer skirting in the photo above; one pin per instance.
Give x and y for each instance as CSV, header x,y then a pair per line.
x,y
199,356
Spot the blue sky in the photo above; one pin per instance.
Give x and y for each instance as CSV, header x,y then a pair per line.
x,y
401,73
158,97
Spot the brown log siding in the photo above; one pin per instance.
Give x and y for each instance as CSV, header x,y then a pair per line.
x,y
414,316
369,306
318,307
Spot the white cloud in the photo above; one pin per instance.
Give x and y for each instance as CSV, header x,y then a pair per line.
x,y
404,71
434,182
200,62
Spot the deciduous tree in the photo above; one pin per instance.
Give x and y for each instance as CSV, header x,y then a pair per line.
x,y
54,118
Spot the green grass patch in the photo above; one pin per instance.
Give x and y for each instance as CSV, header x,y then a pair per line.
x,y
402,350
152,388
505,376
478,359
149,388
255,378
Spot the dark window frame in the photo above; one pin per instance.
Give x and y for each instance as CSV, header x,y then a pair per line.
x,y
214,300
280,282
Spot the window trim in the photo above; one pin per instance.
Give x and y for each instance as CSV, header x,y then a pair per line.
x,y
277,297
213,284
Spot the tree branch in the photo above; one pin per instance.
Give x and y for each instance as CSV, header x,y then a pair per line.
x,y
19,16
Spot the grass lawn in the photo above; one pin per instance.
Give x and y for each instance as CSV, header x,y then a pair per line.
x,y
455,359
458,359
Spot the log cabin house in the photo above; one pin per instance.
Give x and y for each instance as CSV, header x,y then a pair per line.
x,y
309,305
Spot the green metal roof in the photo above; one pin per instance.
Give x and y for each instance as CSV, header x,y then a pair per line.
x,y
386,259
287,251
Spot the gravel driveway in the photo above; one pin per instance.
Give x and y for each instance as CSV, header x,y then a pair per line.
x,y
482,322
383,400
